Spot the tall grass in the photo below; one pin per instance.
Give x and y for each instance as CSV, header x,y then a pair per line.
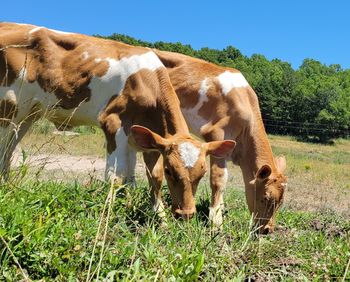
x,y
50,229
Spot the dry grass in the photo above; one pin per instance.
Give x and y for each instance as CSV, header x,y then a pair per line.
x,y
319,175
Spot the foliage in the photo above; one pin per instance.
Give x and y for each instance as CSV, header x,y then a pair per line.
x,y
312,102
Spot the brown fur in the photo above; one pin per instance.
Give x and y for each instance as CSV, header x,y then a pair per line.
x,y
235,115
57,63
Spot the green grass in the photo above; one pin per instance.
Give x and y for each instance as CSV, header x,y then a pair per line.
x,y
48,227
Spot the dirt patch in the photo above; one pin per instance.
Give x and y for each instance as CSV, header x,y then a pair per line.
x,y
64,166
330,229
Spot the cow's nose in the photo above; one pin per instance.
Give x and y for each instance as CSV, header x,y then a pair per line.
x,y
184,214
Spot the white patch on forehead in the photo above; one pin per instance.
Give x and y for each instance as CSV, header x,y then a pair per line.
x,y
85,55
189,154
229,80
194,121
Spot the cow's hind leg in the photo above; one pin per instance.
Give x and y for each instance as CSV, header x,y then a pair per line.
x,y
10,136
155,174
6,138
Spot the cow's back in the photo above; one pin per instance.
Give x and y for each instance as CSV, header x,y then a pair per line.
x,y
215,100
66,71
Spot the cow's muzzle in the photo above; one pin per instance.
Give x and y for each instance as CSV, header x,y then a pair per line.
x,y
185,214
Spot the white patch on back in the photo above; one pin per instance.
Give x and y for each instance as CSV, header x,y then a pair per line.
x,y
125,67
229,80
60,32
202,94
35,29
53,30
113,81
85,55
194,121
189,154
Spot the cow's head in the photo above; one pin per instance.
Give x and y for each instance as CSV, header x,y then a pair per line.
x,y
184,163
269,185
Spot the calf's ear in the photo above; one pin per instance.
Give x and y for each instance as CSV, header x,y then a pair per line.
x,y
281,164
263,173
144,139
220,149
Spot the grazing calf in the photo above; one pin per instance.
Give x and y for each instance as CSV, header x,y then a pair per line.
x,y
75,79
218,103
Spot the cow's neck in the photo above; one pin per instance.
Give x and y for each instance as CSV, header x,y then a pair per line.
x,y
253,150
172,120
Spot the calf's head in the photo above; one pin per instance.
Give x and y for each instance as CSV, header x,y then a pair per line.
x,y
184,163
269,185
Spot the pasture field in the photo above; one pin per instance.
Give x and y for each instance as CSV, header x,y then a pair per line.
x,y
49,220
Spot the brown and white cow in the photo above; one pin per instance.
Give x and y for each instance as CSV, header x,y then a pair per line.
x,y
218,104
75,79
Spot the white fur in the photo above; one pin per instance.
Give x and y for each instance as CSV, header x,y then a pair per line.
x,y
23,74
189,154
229,80
158,207
85,55
116,164
35,29
122,161
125,67
111,83
102,88
54,30
191,115
215,216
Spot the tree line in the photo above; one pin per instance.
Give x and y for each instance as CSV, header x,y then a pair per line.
x,y
312,102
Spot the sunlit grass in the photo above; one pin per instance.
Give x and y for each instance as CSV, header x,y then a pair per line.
x,y
50,226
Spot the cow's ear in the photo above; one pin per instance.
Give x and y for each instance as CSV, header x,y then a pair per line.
x,y
144,139
281,163
263,173
220,149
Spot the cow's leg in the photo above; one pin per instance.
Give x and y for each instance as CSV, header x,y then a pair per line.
x,y
218,179
6,138
10,137
155,174
117,156
131,167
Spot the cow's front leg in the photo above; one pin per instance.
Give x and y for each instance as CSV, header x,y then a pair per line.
x,y
117,156
218,179
155,175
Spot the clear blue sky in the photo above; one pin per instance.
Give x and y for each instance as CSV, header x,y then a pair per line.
x,y
289,30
